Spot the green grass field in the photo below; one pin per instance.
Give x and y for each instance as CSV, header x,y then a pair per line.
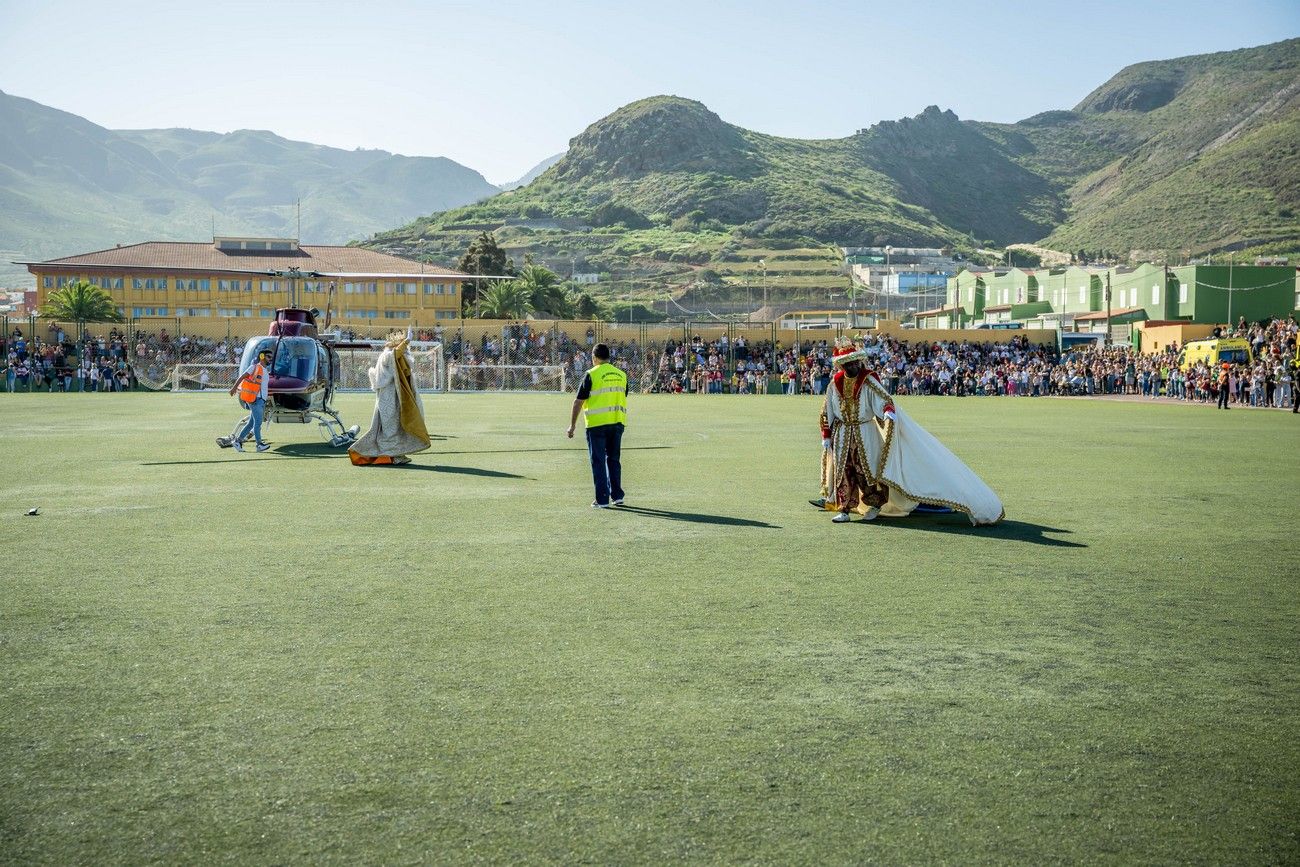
x,y
284,658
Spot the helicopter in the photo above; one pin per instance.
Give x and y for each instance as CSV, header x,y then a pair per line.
x,y
303,373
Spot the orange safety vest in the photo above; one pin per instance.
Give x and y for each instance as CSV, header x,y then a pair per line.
x,y
250,387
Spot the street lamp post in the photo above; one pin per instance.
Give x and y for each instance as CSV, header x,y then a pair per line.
x,y
762,264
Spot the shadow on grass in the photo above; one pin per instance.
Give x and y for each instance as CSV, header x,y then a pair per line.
x,y
300,451
463,471
561,449
695,517
959,524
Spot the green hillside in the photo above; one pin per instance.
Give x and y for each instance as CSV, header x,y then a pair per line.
x,y
1211,162
1182,157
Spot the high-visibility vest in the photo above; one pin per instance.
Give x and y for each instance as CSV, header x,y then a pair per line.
x,y
250,387
607,403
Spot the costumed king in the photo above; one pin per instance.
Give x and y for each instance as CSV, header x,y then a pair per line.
x,y
397,428
877,461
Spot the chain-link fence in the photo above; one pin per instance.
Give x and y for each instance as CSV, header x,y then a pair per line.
x,y
473,355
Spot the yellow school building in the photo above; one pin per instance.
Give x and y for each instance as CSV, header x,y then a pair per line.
x,y
251,277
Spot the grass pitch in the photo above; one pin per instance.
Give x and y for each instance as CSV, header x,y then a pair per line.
x,y
283,658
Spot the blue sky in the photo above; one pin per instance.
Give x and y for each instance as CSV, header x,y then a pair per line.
x,y
499,86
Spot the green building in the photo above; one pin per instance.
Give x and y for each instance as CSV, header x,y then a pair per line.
x,y
967,291
1225,293
1194,293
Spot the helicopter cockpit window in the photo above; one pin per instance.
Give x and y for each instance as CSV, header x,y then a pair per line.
x,y
251,348
296,358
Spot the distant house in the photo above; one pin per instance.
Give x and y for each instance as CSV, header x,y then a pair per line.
x,y
585,278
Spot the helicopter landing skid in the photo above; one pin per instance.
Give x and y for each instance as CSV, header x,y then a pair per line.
x,y
332,430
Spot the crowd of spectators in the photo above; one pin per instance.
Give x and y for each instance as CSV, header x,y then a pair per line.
x,y
1019,367
58,361
1268,380
905,367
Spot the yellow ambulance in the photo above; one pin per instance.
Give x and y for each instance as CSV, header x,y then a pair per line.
x,y
1215,351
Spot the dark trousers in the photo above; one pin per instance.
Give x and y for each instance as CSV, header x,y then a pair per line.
x,y
604,444
1223,395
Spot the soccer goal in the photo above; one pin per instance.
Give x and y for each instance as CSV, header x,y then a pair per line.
x,y
506,377
203,377
427,369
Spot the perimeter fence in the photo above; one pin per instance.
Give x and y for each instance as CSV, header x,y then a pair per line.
x,y
529,352
475,355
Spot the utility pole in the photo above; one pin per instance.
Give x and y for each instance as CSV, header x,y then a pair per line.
x,y
1230,327
1164,292
1108,308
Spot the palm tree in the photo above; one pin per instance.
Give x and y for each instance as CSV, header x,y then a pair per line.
x,y
506,300
545,291
587,307
81,302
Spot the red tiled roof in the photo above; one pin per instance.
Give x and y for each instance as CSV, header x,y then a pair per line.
x,y
936,311
187,256
1101,314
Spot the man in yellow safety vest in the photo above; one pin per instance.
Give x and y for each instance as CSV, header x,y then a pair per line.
x,y
602,398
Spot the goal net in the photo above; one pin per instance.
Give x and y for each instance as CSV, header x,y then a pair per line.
x,y
203,377
427,367
505,377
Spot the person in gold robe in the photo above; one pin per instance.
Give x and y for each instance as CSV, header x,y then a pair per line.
x,y
397,429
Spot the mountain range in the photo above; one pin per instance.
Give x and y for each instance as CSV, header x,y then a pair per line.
x,y
1167,158
68,185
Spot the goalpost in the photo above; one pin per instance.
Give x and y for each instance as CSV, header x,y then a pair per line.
x,y
428,369
506,377
203,377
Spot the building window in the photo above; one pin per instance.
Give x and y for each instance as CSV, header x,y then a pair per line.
x,y
395,314
149,283
48,282
1155,294
272,286
1083,295
1182,293
451,288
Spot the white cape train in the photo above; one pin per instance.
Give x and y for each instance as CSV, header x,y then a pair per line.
x,y
905,456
